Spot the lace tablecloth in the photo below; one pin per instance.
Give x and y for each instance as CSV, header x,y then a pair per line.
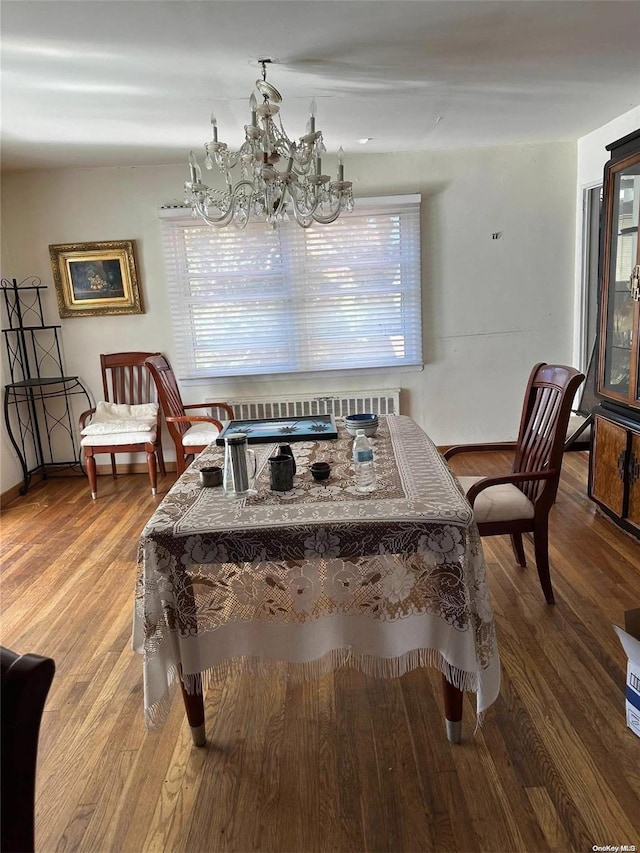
x,y
321,576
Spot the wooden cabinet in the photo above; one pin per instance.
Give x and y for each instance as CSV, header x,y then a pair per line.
x,y
614,473
633,513
607,477
614,480
615,470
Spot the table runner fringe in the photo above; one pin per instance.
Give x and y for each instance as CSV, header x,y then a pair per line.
x,y
313,670
155,715
337,658
297,672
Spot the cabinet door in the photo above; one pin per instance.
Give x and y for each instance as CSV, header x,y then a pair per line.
x,y
619,342
608,464
634,480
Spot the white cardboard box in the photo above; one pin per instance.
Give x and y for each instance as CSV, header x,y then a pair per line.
x,y
630,639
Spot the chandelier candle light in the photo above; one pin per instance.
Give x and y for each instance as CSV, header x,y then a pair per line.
x,y
264,190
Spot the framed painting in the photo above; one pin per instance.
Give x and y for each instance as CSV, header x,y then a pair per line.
x,y
95,279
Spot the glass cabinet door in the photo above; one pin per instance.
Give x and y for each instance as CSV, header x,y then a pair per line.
x,y
620,378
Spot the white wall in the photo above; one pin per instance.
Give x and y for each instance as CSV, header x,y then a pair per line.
x,y
492,308
592,157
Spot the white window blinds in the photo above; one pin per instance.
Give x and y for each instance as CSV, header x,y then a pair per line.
x,y
293,300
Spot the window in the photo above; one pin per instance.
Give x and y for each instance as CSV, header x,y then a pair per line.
x,y
591,207
293,300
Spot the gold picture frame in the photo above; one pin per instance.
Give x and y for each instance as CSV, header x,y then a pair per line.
x,y
96,279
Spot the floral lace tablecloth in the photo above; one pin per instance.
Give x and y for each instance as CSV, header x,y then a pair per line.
x,y
321,576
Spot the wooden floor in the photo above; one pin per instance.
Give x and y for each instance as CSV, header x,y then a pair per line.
x,y
347,763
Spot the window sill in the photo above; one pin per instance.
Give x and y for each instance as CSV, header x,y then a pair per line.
x,y
316,376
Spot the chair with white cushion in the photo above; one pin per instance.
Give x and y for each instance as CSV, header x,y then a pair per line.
x,y
520,502
127,420
190,433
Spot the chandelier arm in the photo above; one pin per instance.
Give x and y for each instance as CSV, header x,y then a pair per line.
x,y
327,220
228,214
220,221
306,219
316,216
305,214
310,194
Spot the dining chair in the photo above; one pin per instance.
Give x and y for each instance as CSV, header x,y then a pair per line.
x,y
581,419
25,682
520,501
190,433
127,420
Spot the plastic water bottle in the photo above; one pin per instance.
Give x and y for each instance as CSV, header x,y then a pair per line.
x,y
365,472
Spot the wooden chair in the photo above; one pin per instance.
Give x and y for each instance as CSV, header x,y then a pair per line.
x,y
581,419
127,381
26,680
520,501
190,433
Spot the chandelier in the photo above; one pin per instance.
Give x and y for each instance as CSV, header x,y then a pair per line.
x,y
277,177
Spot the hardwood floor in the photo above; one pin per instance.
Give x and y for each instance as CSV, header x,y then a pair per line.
x,y
347,763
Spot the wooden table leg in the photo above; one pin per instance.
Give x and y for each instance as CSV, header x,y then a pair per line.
x,y
193,702
194,706
452,710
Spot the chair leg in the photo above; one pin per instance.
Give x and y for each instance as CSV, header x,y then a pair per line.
x,y
91,472
153,471
518,549
541,545
180,461
114,471
160,455
183,459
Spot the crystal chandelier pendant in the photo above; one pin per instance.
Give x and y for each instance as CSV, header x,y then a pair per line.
x,y
278,178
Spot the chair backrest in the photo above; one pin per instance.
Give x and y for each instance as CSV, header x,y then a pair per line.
x,y
126,378
168,391
26,680
589,399
543,426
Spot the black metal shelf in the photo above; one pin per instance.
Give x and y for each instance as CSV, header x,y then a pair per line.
x,y
36,383
32,328
38,399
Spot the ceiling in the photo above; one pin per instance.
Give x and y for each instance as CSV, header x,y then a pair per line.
x,y
131,82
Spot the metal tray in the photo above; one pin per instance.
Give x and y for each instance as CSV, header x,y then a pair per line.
x,y
267,430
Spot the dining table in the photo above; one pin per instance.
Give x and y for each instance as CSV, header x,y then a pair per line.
x,y
320,576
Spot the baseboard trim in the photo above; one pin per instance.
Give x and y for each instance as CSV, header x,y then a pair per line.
x,y
14,492
444,447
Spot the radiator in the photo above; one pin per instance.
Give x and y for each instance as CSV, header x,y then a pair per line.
x,y
381,402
